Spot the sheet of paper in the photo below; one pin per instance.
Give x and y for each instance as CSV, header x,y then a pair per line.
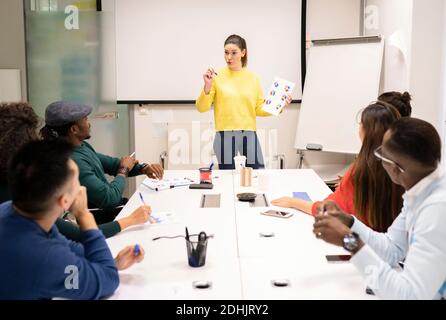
x,y
159,185
276,99
396,40
163,218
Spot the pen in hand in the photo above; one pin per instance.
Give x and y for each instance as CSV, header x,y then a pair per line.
x,y
142,198
137,250
151,219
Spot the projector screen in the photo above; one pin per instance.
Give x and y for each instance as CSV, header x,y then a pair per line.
x,y
163,47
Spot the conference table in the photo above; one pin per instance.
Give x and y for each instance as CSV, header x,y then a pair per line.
x,y
250,256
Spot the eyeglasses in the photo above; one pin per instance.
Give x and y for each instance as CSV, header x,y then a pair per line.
x,y
378,154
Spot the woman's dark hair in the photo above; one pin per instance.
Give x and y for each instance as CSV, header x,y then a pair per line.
x,y
376,197
52,133
37,172
401,101
18,125
241,43
416,139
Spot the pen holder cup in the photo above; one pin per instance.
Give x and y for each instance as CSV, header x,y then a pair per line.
x,y
205,175
196,251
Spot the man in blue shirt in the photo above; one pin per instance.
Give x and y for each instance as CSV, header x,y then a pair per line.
x,y
38,262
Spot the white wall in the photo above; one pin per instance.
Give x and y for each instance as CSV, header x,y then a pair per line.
x,y
328,19
422,27
12,39
443,87
427,60
324,20
394,16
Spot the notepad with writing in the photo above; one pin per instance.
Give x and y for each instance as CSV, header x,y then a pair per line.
x,y
302,196
166,183
162,218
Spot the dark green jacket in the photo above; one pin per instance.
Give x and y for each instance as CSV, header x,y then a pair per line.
x,y
68,229
4,192
92,169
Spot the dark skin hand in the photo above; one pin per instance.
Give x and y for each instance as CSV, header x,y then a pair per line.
x,y
154,171
331,208
333,226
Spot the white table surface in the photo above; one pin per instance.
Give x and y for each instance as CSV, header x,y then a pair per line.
x,y
240,263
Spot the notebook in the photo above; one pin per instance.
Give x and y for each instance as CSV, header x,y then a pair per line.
x,y
166,183
302,196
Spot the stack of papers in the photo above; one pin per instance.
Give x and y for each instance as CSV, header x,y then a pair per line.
x,y
166,183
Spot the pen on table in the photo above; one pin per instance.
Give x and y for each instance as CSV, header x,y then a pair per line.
x,y
142,198
137,250
163,188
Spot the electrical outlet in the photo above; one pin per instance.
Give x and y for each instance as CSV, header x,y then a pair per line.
x,y
143,111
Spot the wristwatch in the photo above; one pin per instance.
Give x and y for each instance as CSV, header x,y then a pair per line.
x,y
351,242
124,171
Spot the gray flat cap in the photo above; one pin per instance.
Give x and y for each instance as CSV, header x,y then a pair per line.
x,y
64,112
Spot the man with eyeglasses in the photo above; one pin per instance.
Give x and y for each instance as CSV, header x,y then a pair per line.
x,y
410,154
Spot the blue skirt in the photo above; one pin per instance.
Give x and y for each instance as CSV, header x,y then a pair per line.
x,y
227,144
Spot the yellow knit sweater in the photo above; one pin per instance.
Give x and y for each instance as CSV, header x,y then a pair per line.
x,y
237,97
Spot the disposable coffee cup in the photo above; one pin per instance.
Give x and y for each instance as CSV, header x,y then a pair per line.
x,y
239,162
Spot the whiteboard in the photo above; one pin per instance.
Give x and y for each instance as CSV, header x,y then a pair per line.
x,y
10,86
341,80
164,46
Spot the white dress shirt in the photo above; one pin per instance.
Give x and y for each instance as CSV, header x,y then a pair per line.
x,y
417,236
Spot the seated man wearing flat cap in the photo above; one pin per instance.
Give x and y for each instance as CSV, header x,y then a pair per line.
x,y
69,120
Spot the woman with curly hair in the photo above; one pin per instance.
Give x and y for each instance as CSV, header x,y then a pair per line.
x,y
19,125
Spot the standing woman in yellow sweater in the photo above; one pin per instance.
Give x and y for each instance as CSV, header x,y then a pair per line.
x,y
237,97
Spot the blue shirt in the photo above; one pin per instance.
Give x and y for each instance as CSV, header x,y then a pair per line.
x,y
42,265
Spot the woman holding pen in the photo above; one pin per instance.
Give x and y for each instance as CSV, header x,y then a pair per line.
x,y
237,97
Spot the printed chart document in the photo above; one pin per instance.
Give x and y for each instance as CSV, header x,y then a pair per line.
x,y
276,99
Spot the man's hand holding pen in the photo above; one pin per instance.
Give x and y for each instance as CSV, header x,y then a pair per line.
x,y
153,171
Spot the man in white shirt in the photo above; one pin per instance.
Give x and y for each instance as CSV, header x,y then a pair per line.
x,y
410,153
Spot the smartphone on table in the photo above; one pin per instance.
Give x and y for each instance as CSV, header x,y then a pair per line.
x,y
338,258
278,214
